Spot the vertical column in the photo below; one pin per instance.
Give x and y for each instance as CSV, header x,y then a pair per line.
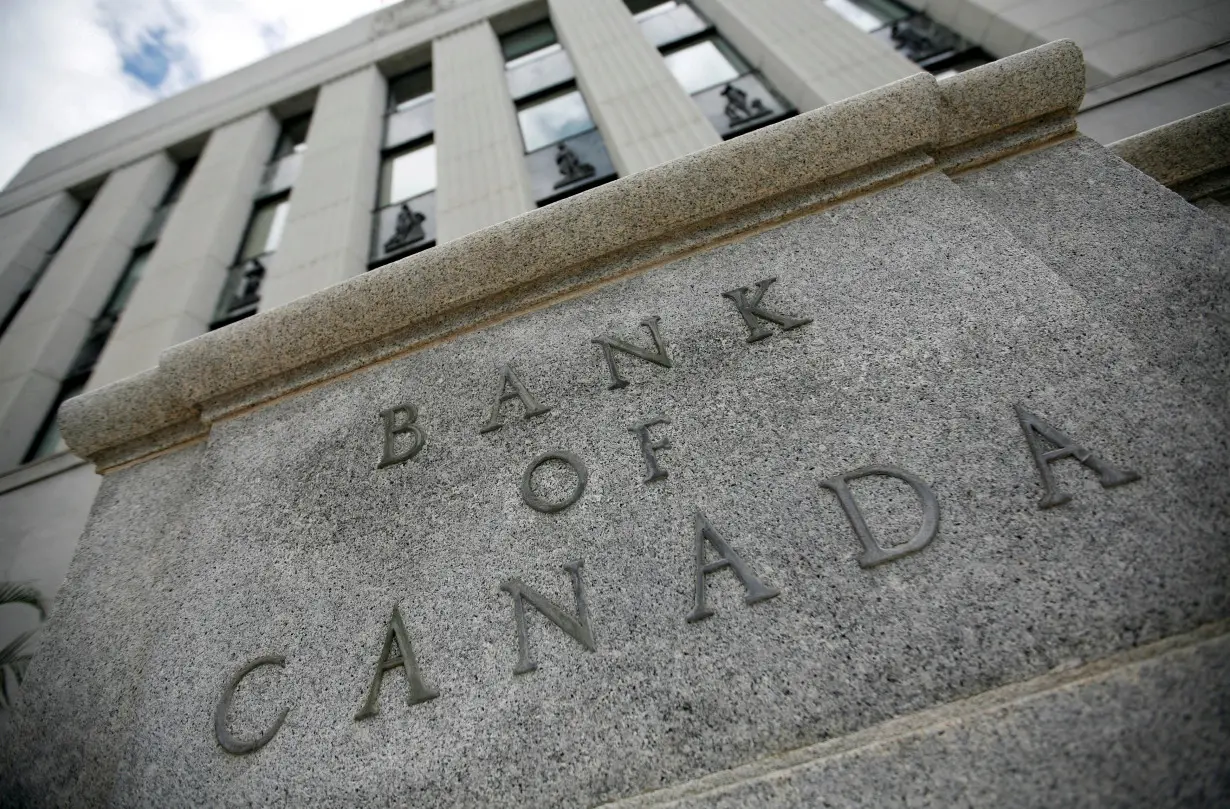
x,y
812,55
39,347
645,116
480,166
179,289
328,231
27,235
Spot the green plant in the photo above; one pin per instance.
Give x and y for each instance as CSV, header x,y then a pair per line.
x,y
13,658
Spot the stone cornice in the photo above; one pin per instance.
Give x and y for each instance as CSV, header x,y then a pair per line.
x,y
1182,151
846,148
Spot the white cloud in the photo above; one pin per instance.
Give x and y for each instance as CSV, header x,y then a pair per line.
x,y
62,62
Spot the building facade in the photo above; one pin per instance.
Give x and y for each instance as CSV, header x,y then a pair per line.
x,y
428,121
323,321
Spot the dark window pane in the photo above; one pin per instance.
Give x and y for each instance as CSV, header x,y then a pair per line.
x,y
403,228
293,137
541,71
641,8
527,40
182,172
241,293
565,167
407,174
413,121
280,175
704,65
670,22
153,228
124,287
962,63
265,228
741,106
554,120
869,15
923,41
408,87
48,439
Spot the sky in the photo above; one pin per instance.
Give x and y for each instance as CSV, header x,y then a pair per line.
x,y
68,66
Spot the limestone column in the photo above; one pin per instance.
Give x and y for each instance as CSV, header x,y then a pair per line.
x,y
27,235
39,347
179,289
645,116
480,164
328,230
808,52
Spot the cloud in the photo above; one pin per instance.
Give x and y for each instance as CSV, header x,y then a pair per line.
x,y
69,66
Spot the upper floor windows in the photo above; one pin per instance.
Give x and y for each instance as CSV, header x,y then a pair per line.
x,y
914,35
404,221
735,98
240,295
47,439
293,137
665,22
283,167
411,109
553,119
43,264
265,228
534,60
153,228
565,153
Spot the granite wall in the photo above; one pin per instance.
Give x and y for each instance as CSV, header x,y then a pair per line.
x,y
875,500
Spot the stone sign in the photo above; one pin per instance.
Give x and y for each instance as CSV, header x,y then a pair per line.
x,y
861,500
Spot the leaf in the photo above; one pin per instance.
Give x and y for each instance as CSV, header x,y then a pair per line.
x,y
11,654
12,659
12,592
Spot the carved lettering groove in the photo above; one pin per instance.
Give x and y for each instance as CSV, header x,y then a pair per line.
x,y
228,742
711,552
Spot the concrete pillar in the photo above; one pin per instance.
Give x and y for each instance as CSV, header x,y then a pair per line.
x,y
808,52
328,230
177,294
645,116
39,347
480,163
27,235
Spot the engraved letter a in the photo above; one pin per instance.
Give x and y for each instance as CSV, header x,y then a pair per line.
x,y
1035,430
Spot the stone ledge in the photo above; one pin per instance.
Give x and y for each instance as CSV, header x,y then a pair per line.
x,y
1181,151
592,234
994,708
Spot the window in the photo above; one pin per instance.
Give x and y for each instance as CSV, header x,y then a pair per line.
x,y
565,153
666,22
37,275
408,173
554,119
707,63
153,228
411,108
293,137
241,292
47,439
735,98
404,221
283,167
265,228
914,35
